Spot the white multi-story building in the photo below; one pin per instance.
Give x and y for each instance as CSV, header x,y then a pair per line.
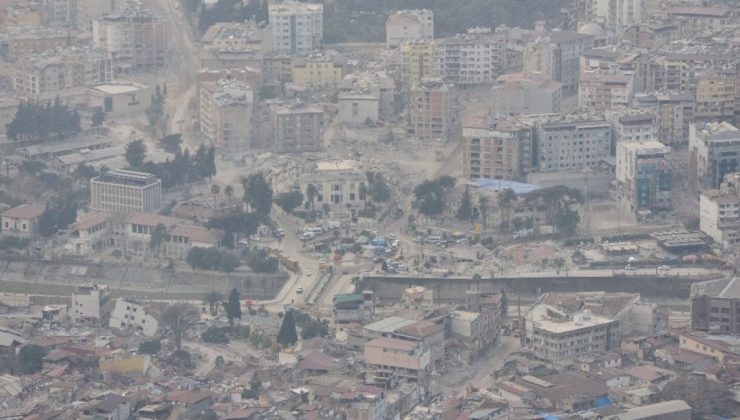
x,y
557,337
476,57
559,55
632,125
719,211
616,15
90,305
644,176
572,144
337,184
715,152
297,28
133,316
225,115
126,192
409,25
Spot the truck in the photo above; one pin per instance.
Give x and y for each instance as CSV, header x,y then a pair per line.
x,y
288,262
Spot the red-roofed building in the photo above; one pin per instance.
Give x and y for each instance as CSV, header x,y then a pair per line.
x,y
22,221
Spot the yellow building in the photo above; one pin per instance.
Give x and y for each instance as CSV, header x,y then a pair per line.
x,y
715,96
22,15
317,72
417,61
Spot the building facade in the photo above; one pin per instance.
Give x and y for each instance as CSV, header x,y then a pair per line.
x,y
22,221
136,39
225,115
719,212
117,99
133,316
572,144
715,152
417,62
297,28
476,57
432,110
715,306
599,91
126,192
525,93
674,113
559,55
90,305
339,188
644,176
298,128
409,25
388,359
500,152
317,72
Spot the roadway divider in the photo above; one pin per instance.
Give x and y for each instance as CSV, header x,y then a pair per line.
x,y
319,287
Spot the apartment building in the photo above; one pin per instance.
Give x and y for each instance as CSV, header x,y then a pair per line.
x,y
298,128
525,93
432,110
598,91
674,113
715,152
559,55
366,97
719,212
136,39
417,62
644,176
134,317
613,15
697,20
392,359
90,305
715,95
560,338
297,28
572,143
123,191
225,115
317,72
337,184
630,124
88,10
237,36
56,70
35,40
715,306
498,151
476,57
408,25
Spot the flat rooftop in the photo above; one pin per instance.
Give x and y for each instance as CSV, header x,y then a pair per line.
x,y
540,317
117,88
138,179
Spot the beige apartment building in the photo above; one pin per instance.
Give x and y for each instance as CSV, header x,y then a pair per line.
x,y
719,212
317,72
498,151
388,359
225,115
135,38
432,110
123,191
602,91
674,113
417,62
409,25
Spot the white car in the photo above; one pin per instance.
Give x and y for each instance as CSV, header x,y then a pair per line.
x,y
308,272
299,290
664,267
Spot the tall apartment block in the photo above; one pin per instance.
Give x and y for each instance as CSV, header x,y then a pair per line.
x,y
572,143
715,306
126,192
476,57
719,212
417,62
225,115
135,39
432,110
297,28
644,176
407,25
674,113
715,152
298,128
498,151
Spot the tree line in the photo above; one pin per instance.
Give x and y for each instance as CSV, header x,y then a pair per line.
x,y
42,122
184,168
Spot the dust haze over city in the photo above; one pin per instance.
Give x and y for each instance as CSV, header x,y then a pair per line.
x,y
369,209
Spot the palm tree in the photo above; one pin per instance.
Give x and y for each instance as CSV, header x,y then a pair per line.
x,y
483,210
215,189
229,191
311,193
213,299
363,192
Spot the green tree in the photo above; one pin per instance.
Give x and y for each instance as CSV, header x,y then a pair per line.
x,y
31,358
172,143
215,190
315,328
150,347
287,335
212,259
566,220
97,118
233,306
159,233
213,299
260,260
178,318
311,193
61,211
84,172
229,191
465,211
430,195
136,154
378,188
258,193
505,200
483,210
707,398
247,285
289,201
214,335
32,167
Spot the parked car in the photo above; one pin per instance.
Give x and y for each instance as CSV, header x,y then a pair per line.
x,y
299,290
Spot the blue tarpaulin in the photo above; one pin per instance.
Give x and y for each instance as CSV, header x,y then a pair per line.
x,y
602,402
502,184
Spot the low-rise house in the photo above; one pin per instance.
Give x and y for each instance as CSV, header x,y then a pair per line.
x,y
22,221
109,407
192,404
563,391
721,348
666,410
